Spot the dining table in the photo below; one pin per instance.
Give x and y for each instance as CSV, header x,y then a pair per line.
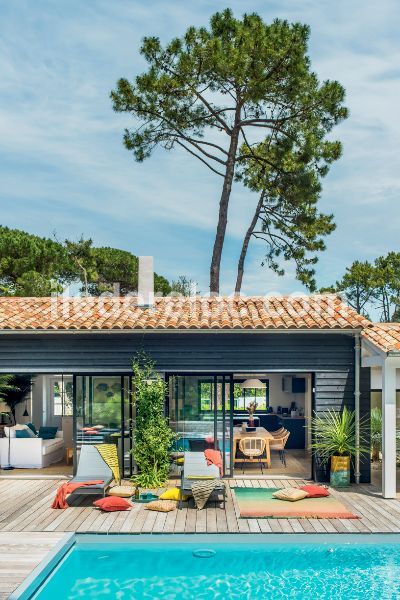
x,y
260,432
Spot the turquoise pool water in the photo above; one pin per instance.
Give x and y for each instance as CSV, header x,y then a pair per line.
x,y
253,567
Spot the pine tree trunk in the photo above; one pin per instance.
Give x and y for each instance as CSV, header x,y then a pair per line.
x,y
223,215
245,245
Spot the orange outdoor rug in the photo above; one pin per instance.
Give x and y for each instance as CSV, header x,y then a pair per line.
x,y
258,503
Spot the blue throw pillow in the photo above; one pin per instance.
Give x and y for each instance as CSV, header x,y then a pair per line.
x,y
32,427
22,433
48,433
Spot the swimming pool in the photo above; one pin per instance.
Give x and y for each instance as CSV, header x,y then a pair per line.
x,y
220,566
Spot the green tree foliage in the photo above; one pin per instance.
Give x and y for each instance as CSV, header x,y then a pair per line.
x,y
81,255
117,271
358,285
387,286
373,285
184,286
288,181
153,436
217,88
31,265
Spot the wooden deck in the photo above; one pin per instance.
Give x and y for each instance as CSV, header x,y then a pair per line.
x,y
25,508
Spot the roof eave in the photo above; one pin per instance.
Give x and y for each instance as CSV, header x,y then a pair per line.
x,y
328,330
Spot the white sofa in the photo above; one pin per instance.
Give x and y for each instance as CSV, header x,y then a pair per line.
x,y
32,453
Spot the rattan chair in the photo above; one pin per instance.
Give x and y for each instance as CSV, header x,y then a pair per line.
x,y
279,432
252,447
279,445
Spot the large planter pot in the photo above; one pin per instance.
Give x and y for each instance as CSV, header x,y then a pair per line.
x,y
340,471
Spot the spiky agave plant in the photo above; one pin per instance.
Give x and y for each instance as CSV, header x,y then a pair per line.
x,y
335,435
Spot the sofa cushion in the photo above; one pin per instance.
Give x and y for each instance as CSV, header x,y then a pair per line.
x,y
32,428
11,431
48,433
21,433
49,446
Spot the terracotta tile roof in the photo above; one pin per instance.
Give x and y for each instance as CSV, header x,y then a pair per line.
x,y
113,313
384,335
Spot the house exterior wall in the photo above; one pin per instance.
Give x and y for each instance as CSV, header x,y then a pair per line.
x,y
113,352
330,356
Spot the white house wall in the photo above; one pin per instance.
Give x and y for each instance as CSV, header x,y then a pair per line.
x,y
376,378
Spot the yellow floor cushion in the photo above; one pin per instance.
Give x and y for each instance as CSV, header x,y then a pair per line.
x,y
122,491
290,494
173,494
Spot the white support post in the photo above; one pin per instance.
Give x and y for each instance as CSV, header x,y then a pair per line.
x,y
389,427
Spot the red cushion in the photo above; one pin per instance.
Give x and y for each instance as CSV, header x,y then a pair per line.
x,y
112,503
315,491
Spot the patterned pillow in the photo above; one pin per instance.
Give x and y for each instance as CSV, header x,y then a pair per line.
x,y
290,494
161,505
122,491
112,504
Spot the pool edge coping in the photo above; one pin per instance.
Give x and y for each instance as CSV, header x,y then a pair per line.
x,y
39,574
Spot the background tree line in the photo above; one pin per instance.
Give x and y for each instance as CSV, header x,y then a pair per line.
x,y
372,286
31,265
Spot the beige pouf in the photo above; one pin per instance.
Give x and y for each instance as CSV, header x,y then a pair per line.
x,y
122,491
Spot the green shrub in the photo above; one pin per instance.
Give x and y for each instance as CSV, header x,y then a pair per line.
x,y
153,436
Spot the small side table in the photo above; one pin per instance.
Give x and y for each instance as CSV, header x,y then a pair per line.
x,y
69,455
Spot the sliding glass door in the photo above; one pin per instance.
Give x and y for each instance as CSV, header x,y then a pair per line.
x,y
200,408
103,414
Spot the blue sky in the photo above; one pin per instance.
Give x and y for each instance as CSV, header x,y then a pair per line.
x,y
63,168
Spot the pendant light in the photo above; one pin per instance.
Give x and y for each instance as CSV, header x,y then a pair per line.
x,y
252,384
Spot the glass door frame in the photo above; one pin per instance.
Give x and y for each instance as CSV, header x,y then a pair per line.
x,y
126,420
224,378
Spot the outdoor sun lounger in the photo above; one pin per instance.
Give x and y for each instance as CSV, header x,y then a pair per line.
x,y
91,466
195,468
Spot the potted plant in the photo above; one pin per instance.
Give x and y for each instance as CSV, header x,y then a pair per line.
x,y
14,390
153,435
334,435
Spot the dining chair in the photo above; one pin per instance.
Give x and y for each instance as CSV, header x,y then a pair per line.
x,y
252,447
279,432
279,444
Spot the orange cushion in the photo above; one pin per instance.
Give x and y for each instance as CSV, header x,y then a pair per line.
x,y
315,491
112,503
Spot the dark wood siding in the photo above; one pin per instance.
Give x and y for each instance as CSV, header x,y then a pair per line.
x,y
111,352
